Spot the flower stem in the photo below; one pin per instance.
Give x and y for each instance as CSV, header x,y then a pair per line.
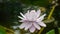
x,y
49,16
41,30
7,29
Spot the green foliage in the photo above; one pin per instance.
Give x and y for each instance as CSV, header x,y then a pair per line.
x,y
59,30
2,30
36,2
9,13
51,32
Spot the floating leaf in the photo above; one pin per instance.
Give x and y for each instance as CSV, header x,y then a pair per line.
x,y
51,32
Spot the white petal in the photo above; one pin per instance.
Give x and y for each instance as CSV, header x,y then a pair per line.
x,y
28,11
27,15
22,25
42,24
38,13
41,18
37,26
32,15
21,20
28,26
32,29
32,11
20,17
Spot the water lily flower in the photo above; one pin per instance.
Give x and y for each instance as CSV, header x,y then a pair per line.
x,y
32,20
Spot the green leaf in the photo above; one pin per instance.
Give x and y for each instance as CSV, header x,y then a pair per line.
x,y
51,32
59,30
2,30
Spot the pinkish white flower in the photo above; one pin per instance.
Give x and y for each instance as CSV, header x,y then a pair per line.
x,y
32,20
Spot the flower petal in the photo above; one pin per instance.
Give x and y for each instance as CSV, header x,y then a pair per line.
x,y
37,26
21,20
27,15
20,17
41,18
32,29
28,26
38,13
32,15
42,24
22,25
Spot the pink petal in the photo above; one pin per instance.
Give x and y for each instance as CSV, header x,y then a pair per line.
x,y
32,11
23,20
27,15
38,13
36,26
42,24
32,29
32,15
41,18
28,26
22,25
